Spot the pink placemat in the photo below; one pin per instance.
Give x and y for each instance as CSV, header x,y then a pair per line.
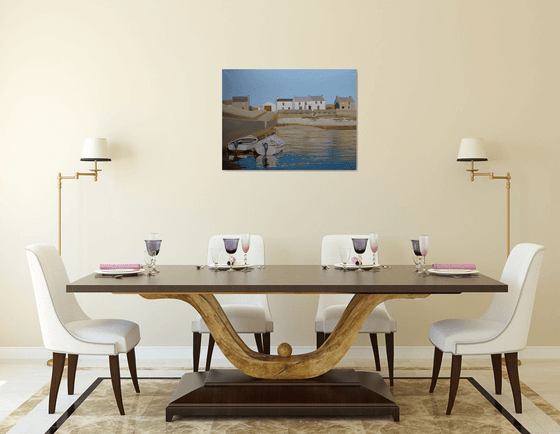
x,y
120,266
454,266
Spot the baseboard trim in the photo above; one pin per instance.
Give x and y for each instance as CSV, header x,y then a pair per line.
x,y
355,353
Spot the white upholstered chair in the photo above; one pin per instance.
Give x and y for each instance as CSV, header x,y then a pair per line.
x,y
503,328
248,313
66,329
331,306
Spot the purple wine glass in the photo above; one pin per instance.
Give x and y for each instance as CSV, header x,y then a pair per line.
x,y
230,245
416,255
360,245
153,247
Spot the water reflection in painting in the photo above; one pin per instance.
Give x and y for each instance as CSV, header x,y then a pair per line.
x,y
305,148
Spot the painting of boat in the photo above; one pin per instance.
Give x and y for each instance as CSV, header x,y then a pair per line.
x,y
244,144
270,145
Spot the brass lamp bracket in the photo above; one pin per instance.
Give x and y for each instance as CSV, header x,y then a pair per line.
x,y
60,178
491,175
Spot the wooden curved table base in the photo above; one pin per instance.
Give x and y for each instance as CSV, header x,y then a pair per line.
x,y
299,366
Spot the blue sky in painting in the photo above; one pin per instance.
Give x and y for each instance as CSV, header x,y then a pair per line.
x,y
263,85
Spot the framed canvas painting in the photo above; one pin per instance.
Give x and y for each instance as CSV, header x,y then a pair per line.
x,y
289,119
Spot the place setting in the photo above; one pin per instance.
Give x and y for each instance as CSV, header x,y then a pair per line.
x,y
231,246
420,251
118,271
356,263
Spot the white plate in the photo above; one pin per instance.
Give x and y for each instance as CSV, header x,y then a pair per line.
x,y
115,272
451,271
235,266
355,267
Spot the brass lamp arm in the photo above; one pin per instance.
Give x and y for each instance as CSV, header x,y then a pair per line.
x,y
60,178
491,175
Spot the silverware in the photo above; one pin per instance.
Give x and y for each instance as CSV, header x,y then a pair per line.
x,y
261,267
199,267
325,267
385,266
117,276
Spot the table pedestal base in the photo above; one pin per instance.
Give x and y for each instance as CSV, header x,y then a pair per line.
x,y
229,392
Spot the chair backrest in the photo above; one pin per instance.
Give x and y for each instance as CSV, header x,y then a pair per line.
x,y
330,256
255,256
515,307
55,306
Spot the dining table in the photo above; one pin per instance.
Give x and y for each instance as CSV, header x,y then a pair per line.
x,y
285,384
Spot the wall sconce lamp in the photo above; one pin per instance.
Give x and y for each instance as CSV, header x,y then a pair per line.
x,y
473,150
94,150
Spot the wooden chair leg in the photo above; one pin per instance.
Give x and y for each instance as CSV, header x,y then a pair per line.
x,y
210,350
57,370
72,366
320,339
197,340
258,340
513,374
373,339
266,342
497,367
438,356
131,357
390,346
455,375
116,380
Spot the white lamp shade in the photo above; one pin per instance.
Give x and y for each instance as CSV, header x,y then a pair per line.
x,y
472,150
95,149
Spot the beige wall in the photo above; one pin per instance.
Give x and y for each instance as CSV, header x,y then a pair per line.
x,y
429,73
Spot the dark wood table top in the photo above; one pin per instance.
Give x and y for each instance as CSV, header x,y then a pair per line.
x,y
293,279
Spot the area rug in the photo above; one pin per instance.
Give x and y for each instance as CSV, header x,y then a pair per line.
x,y
475,411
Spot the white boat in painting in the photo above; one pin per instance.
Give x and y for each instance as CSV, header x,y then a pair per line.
x,y
244,144
269,145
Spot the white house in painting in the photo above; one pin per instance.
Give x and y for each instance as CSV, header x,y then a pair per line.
x,y
302,102
268,106
284,103
317,102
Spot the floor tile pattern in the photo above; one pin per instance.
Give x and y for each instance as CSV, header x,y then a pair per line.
x,y
24,387
420,412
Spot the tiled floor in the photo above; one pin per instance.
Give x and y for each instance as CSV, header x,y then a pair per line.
x,y
24,387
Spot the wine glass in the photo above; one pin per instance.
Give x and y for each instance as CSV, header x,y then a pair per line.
x,y
344,256
374,246
231,247
416,255
148,262
216,252
360,245
153,246
245,244
424,242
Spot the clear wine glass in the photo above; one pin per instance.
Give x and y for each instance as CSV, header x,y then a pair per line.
x,y
153,247
416,255
216,252
374,246
424,241
148,262
245,244
231,247
344,256
360,245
